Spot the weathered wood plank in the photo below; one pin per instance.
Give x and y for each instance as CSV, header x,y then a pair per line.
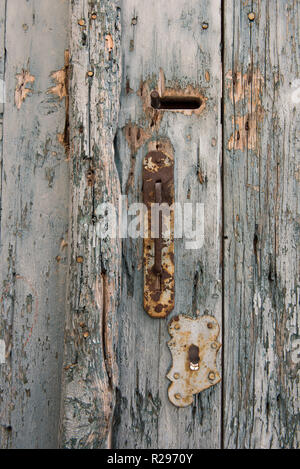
x,y
261,189
90,374
34,221
176,43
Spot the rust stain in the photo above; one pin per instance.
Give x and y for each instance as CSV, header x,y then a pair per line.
x,y
22,91
245,88
68,367
164,145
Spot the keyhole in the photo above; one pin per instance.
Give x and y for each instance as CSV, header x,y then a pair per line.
x,y
194,357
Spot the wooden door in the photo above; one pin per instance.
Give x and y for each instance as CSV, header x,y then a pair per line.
x,y
34,220
82,365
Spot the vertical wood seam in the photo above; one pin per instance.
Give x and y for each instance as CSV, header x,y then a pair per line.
x,y
223,215
4,73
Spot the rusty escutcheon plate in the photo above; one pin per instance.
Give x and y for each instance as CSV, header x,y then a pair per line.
x,y
194,346
158,188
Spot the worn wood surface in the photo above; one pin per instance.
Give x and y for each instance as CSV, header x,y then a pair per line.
x,y
164,44
90,374
261,204
34,221
64,154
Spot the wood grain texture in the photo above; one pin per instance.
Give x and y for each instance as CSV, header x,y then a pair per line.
x,y
74,130
90,374
164,44
261,259
34,220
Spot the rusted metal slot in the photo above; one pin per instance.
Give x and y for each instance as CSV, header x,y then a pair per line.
x,y
194,346
174,102
158,195
158,240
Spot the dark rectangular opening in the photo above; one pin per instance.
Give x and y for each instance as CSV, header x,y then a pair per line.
x,y
177,103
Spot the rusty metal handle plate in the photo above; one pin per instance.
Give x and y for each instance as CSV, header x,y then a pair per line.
x,y
194,346
158,188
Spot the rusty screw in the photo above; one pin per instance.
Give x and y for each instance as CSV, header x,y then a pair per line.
x,y
211,376
94,16
90,175
210,325
79,259
214,346
134,21
204,25
155,99
90,73
176,375
178,396
251,16
81,22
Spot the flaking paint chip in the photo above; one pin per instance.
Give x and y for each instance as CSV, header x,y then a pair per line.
x,y
21,92
109,43
60,88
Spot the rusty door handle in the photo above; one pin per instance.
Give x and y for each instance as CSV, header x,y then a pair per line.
x,y
158,188
158,240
